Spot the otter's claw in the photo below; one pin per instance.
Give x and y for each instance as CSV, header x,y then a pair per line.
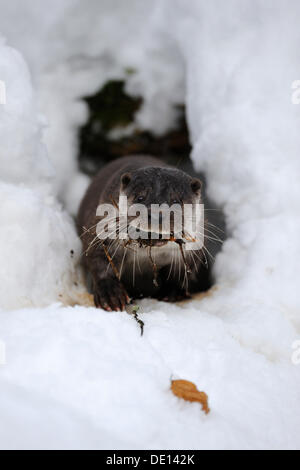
x,y
110,295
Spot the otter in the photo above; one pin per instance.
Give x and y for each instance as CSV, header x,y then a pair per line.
x,y
157,265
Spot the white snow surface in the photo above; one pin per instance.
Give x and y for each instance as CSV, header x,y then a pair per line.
x,y
78,377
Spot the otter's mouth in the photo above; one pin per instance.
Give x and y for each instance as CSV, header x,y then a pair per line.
x,y
151,239
158,238
155,239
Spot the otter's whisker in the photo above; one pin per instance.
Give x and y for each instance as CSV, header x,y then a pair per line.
x,y
215,226
213,235
133,268
94,243
185,263
90,229
87,230
154,267
179,265
208,252
172,262
193,258
117,249
102,242
122,263
90,246
138,262
195,253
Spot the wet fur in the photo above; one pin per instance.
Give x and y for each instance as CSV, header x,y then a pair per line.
x,y
158,183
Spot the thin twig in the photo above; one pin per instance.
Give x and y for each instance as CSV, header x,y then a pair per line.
x,y
113,266
134,313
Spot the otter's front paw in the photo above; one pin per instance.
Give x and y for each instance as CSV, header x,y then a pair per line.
x,y
110,295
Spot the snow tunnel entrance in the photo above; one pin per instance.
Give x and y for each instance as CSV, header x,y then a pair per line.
x,y
108,135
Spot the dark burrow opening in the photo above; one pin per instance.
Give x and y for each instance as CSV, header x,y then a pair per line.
x,y
110,109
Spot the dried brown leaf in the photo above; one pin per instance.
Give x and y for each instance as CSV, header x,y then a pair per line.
x,y
189,392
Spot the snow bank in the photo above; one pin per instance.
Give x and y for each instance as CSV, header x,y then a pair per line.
x,y
84,378
36,235
85,364
23,156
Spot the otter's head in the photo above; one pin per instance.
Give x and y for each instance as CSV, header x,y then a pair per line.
x,y
164,187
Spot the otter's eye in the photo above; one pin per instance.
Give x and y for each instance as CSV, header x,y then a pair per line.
x,y
176,201
140,199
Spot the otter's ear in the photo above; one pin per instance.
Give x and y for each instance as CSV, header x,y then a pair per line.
x,y
125,180
196,186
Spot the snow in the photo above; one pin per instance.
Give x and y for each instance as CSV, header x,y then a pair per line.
x,y
77,377
36,236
